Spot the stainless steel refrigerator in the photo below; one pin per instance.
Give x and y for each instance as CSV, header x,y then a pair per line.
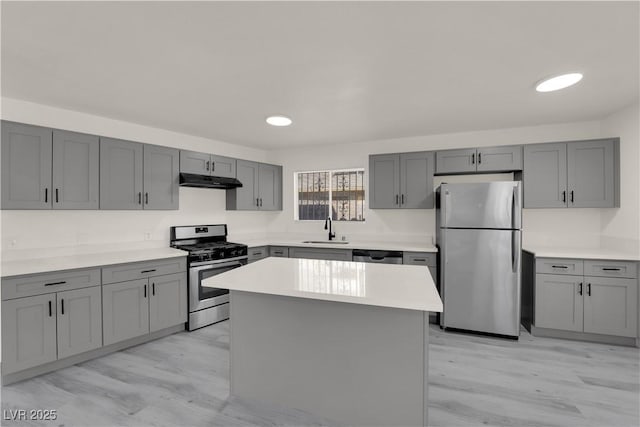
x,y
478,228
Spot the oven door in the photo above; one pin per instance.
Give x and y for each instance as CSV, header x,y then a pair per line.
x,y
201,297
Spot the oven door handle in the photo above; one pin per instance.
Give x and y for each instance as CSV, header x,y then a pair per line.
x,y
217,264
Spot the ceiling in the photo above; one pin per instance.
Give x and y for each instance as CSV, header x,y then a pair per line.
x,y
344,71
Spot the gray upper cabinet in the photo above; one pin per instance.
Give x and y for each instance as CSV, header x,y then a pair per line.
x,y
401,181
207,164
26,166
593,180
168,301
161,177
79,321
504,158
125,310
545,176
28,332
261,187
121,176
76,158
456,161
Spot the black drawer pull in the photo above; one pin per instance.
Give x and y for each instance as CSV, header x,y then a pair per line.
x,y
148,271
257,253
610,269
420,259
55,283
559,266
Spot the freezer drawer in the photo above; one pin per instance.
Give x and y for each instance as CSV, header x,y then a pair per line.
x,y
480,272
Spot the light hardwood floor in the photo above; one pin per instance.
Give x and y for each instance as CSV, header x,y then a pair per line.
x,y
182,380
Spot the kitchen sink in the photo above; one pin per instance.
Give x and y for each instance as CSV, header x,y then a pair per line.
x,y
332,242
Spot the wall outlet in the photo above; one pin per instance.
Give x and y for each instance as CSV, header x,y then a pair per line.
x,y
147,235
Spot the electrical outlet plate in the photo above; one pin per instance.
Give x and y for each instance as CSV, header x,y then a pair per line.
x,y
147,235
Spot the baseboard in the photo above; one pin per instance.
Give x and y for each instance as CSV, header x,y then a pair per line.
x,y
83,357
583,336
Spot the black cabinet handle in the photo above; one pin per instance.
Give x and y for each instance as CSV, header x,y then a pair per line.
x,y
473,159
146,198
55,283
610,269
257,253
397,199
260,201
46,195
153,289
257,201
559,266
207,165
564,197
213,166
148,271
62,306
589,289
57,201
571,196
420,260
402,199
479,158
145,291
579,288
140,198
50,314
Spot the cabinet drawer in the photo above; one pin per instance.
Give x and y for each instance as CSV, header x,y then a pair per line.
x,y
420,258
611,268
320,253
279,251
141,270
559,266
258,253
38,284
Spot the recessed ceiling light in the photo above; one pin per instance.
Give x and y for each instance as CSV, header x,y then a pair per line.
x,y
558,82
279,120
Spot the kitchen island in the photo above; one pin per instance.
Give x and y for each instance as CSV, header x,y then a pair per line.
x,y
344,340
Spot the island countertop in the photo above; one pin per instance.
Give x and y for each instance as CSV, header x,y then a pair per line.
x,y
385,285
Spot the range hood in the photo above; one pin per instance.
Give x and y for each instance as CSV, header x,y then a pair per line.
x,y
206,181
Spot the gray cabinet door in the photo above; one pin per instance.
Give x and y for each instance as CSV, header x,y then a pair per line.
x,y
384,181
120,174
79,321
194,162
125,310
320,253
559,302
28,332
499,159
161,177
76,173
26,166
168,301
610,306
456,161
223,166
269,187
245,197
416,180
591,174
279,251
545,176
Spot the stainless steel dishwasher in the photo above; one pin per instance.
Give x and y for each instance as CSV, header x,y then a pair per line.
x,y
381,257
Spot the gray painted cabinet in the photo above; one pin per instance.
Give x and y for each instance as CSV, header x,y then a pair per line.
x,y
223,166
559,302
456,161
321,253
257,253
580,174
161,177
207,164
168,301
610,306
28,332
125,310
79,321
401,181
121,174
261,187
26,166
279,251
502,158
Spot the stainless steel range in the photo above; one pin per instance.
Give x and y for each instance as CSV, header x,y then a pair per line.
x,y
209,254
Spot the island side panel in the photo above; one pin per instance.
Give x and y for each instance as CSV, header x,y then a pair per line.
x,y
355,364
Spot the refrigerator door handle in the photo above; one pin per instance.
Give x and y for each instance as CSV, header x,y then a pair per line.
x,y
515,253
515,208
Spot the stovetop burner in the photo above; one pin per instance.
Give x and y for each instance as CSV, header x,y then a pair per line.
x,y
206,243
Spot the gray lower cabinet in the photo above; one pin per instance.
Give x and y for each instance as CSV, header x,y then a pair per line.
x,y
161,177
26,166
79,321
578,174
610,306
261,187
257,253
559,302
125,310
168,301
121,174
320,253
503,158
207,164
28,332
279,251
401,181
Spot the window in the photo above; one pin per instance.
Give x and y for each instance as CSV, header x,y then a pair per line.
x,y
341,191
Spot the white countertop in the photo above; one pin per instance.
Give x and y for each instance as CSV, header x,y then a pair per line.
x,y
585,253
85,260
375,245
385,285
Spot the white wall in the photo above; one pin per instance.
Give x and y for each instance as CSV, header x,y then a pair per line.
x,y
22,230
566,227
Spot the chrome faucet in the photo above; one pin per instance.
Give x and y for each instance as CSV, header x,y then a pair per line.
x,y
331,235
